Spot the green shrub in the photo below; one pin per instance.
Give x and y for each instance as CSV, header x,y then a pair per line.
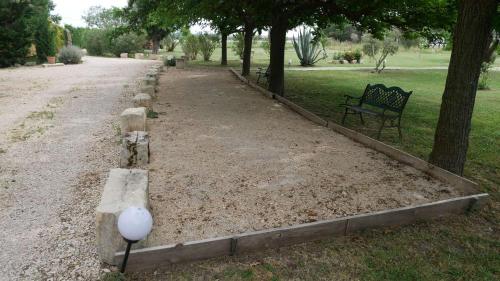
x,y
127,43
207,44
190,46
70,55
306,49
358,55
169,61
266,46
97,42
349,56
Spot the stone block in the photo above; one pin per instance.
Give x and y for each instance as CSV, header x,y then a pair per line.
x,y
148,89
148,81
133,119
135,149
158,67
153,74
139,56
124,188
124,55
153,57
180,63
143,100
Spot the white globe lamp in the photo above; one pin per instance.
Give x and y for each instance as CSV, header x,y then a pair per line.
x,y
134,224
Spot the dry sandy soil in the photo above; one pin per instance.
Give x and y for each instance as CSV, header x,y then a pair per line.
x,y
57,143
227,160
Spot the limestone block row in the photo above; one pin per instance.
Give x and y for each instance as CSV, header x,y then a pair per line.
x,y
124,188
139,56
124,55
135,149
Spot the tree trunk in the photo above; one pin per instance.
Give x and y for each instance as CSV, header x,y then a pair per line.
x,y
471,39
223,59
247,51
156,44
277,56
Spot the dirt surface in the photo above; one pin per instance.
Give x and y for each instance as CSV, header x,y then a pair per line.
x,y
225,160
57,143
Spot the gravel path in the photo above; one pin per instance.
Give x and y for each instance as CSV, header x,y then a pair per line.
x,y
57,143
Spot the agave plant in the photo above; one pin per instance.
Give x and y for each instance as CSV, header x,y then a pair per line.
x,y
308,51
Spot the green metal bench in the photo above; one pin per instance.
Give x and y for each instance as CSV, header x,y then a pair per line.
x,y
382,102
261,73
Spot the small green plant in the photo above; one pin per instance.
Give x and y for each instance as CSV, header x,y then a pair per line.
x,y
238,45
152,114
307,50
207,44
70,55
113,276
266,46
190,46
483,83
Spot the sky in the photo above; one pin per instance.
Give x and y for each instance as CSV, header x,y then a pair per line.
x,y
72,11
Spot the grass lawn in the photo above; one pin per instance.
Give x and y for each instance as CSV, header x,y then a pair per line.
x,y
457,248
404,58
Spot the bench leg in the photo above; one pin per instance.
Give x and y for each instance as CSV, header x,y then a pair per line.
x,y
381,127
361,117
258,78
399,131
345,114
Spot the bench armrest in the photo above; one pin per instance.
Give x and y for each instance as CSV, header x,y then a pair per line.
x,y
348,98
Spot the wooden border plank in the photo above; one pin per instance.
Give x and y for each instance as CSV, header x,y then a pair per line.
x,y
149,258
154,257
304,112
279,237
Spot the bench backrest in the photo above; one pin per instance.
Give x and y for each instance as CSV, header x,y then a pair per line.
x,y
378,95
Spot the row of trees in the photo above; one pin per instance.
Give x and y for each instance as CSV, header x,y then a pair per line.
x,y
471,24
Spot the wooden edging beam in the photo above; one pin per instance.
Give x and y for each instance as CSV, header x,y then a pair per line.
x,y
462,184
154,257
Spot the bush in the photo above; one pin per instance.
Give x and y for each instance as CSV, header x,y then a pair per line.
x,y
127,43
266,46
169,61
207,44
190,46
349,56
97,42
358,55
70,55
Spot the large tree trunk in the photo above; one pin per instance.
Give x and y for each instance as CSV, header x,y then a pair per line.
x,y
247,51
277,56
223,59
156,44
471,39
